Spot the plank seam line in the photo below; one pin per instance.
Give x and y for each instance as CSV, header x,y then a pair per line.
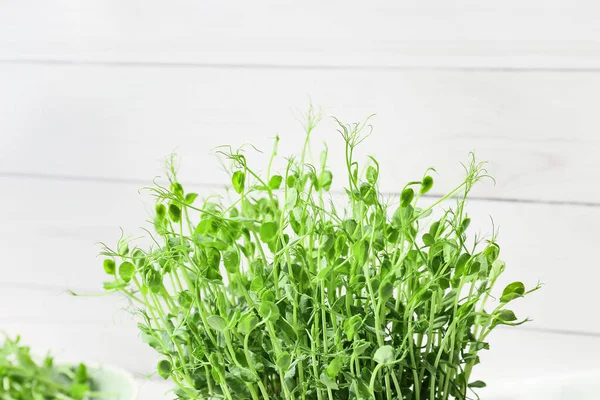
x,y
308,67
141,182
555,331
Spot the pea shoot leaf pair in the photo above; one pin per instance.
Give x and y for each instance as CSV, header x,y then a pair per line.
x,y
291,292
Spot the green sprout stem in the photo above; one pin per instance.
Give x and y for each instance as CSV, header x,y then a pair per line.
x,y
281,294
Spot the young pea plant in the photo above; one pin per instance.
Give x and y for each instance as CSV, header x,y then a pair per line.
x,y
280,294
22,378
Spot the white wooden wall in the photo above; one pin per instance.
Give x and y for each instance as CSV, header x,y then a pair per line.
x,y
93,94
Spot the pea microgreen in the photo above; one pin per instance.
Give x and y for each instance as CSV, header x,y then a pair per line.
x,y
280,294
23,378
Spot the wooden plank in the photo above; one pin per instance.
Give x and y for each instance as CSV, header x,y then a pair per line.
x,y
154,389
582,385
48,238
467,33
82,330
537,130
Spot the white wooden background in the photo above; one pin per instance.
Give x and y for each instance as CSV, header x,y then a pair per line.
x,y
93,94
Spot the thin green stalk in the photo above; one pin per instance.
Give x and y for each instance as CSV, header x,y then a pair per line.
x,y
252,287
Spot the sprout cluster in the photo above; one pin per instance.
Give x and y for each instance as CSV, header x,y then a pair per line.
x,y
282,294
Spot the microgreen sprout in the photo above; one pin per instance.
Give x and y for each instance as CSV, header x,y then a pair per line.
x,y
24,378
281,294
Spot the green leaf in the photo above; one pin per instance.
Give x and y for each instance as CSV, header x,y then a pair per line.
x,y
359,389
190,197
238,180
290,373
433,229
384,355
351,326
492,252
504,317
290,199
428,240
257,284
512,291
283,361
372,174
77,391
81,374
464,225
291,181
217,322
329,383
360,250
161,211
325,270
314,180
275,182
403,216
268,295
426,184
185,299
174,213
153,280
123,247
247,324
244,374
286,328
461,263
439,322
350,226
126,271
268,231
425,295
368,193
360,346
269,311
326,180
109,266
334,368
231,260
218,367
207,225
164,369
25,359
327,242
212,258
386,290
217,375
177,189
477,384
215,244
407,196
341,245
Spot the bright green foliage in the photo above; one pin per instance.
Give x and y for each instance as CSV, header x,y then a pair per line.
x,y
109,266
281,295
164,369
22,378
126,271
